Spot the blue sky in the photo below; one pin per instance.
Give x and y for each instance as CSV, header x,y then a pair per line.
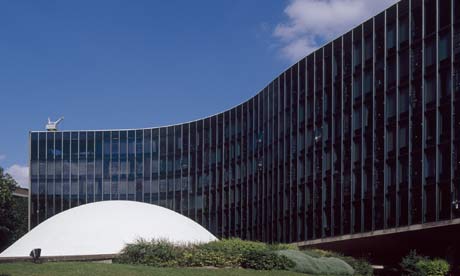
x,y
128,64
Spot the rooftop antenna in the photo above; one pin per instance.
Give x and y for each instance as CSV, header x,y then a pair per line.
x,y
52,126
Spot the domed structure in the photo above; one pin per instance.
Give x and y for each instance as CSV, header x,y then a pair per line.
x,y
105,228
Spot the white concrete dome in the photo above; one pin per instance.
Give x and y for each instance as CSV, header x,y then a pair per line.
x,y
105,228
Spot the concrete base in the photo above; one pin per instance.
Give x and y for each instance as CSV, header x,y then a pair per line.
x,y
438,239
106,258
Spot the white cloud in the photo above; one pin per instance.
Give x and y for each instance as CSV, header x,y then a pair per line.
x,y
2,157
20,174
309,22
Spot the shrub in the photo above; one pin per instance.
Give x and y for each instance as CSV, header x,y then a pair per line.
x,y
282,246
304,263
266,260
437,267
317,253
361,266
236,252
239,253
409,264
417,265
203,256
159,253
224,253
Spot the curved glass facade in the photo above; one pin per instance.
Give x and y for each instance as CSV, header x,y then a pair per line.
x,y
361,135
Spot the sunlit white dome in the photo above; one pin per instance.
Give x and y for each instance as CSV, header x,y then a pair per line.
x,y
105,227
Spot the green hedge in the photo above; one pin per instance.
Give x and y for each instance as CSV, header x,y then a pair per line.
x,y
223,253
238,253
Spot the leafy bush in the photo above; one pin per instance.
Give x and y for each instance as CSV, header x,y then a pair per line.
x,y
409,264
361,266
266,260
437,267
238,253
417,265
159,253
304,263
282,246
317,253
211,257
223,253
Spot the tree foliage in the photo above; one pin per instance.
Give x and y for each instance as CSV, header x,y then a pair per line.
x,y
12,218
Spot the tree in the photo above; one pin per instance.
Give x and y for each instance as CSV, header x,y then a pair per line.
x,y
11,220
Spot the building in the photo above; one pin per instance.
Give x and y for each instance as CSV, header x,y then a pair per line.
x,y
360,136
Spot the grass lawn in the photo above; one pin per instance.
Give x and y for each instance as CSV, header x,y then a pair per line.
x,y
96,269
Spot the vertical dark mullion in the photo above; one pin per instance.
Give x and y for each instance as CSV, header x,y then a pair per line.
x,y
86,167
259,161
352,134
235,175
45,158
273,169
173,163
260,173
399,218
329,166
45,196
342,142
374,58
437,112
195,173
331,139
222,180
331,136
289,153
215,145
295,153
255,216
314,148
397,161
203,178
350,116
180,209
410,121
246,226
268,161
296,158
188,169
385,166
282,178
304,155
119,166
265,158
78,167
281,167
239,128
323,145
452,112
363,141
424,196
168,200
